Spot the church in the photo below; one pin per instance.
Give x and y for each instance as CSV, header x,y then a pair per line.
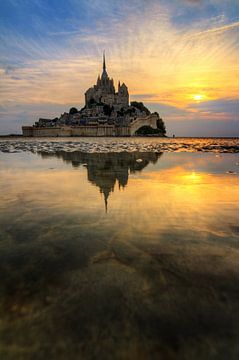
x,y
106,113
104,92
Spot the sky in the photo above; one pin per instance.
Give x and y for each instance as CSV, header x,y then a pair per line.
x,y
179,57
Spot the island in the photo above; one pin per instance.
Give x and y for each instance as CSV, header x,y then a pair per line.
x,y
106,113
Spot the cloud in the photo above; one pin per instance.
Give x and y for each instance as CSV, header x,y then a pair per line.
x,y
211,118
216,30
58,57
203,127
194,2
219,106
14,115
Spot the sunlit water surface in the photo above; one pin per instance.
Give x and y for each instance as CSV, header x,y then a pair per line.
x,y
127,255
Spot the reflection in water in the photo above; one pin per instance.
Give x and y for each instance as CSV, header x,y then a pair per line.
x,y
105,169
155,278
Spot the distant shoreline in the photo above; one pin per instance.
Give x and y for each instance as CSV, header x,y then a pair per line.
x,y
11,136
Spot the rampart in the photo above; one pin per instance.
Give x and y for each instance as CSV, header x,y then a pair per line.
x,y
66,131
150,120
92,130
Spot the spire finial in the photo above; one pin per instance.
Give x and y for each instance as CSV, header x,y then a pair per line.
x,y
104,66
106,195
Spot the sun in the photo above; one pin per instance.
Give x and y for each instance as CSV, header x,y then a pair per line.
x,y
198,97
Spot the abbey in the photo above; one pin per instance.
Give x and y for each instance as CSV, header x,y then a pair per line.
x,y
105,113
104,92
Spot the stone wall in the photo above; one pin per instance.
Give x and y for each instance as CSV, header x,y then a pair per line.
x,y
150,120
27,130
93,130
101,130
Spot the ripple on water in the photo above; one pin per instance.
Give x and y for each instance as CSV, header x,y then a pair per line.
x,y
104,145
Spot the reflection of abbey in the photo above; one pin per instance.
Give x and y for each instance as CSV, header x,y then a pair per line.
x,y
105,170
106,113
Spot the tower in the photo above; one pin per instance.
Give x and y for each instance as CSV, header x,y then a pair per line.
x,y
123,95
104,75
104,66
104,90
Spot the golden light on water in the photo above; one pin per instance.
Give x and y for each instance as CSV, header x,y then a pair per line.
x,y
183,67
192,177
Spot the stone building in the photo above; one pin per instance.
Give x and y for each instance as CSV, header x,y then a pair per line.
x,y
106,113
104,92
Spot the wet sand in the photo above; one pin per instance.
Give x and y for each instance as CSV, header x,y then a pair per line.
x,y
131,255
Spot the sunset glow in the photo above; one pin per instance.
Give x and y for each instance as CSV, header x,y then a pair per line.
x,y
198,97
181,63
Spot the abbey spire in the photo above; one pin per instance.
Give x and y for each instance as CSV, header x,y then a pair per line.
x,y
104,73
104,66
104,91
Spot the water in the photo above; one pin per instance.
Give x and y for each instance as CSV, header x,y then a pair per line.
x,y
119,255
153,144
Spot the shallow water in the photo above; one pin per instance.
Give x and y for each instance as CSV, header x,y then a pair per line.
x,y
125,255
151,144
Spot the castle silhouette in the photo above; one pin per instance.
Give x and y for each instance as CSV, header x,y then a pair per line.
x,y
105,170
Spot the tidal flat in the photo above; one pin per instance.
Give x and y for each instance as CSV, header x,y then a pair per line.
x,y
119,249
